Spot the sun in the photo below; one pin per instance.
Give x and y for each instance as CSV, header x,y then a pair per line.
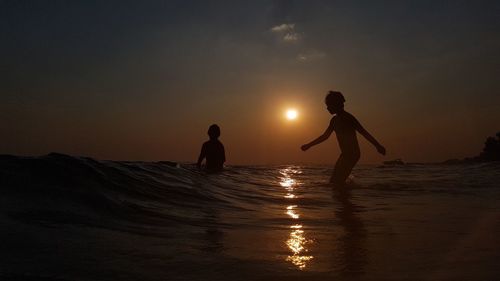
x,y
291,114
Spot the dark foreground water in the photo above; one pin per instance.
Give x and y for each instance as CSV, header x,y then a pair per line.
x,y
67,218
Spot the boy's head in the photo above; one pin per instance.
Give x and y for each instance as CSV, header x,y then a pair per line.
x,y
334,101
214,131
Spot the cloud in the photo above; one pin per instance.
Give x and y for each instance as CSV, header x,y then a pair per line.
x,y
286,32
310,56
291,37
285,27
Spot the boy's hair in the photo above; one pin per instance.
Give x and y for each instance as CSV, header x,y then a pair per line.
x,y
334,97
214,131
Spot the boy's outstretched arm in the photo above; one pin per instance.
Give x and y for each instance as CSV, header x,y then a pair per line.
x,y
321,138
369,137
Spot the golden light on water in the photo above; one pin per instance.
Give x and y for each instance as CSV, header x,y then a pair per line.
x,y
287,182
291,212
297,241
297,244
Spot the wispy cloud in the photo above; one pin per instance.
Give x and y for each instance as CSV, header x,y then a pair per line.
x,y
285,27
291,37
286,32
311,55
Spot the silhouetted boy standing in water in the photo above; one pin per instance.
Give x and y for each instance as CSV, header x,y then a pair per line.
x,y
345,126
213,150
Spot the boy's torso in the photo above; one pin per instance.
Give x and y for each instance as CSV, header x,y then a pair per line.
x,y
345,129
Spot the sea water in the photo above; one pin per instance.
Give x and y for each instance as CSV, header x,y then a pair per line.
x,y
76,218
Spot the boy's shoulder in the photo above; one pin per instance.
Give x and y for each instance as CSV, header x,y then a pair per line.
x,y
207,143
220,143
348,115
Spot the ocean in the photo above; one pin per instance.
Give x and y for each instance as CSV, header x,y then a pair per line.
x,y
77,218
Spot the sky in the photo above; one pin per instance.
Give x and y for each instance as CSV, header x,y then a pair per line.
x,y
143,80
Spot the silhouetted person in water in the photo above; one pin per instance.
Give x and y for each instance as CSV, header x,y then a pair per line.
x,y
345,126
213,150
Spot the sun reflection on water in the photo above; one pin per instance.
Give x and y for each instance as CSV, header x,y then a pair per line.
x,y
297,244
287,182
297,240
291,212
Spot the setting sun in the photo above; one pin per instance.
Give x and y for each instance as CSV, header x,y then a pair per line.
x,y
291,114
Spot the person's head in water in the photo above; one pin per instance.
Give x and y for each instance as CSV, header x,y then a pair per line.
x,y
214,132
334,102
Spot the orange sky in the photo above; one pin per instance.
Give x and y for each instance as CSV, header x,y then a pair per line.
x,y
254,132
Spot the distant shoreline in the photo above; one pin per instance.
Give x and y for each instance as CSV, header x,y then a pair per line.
x,y
454,161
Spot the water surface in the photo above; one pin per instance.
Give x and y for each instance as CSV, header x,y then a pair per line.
x,y
68,218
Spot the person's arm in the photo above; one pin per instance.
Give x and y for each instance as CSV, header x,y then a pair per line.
x,y
321,138
369,137
202,156
223,155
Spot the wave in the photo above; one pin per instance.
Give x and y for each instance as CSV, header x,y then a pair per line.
x,y
148,197
58,188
